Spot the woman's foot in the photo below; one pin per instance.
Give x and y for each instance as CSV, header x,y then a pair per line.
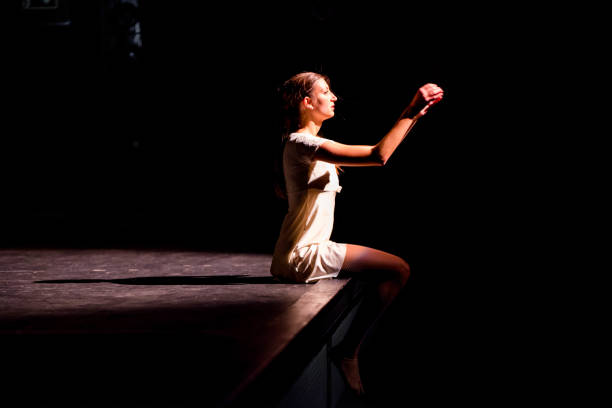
x,y
349,367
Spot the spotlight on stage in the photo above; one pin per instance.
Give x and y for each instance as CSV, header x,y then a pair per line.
x,y
110,29
123,31
39,4
47,12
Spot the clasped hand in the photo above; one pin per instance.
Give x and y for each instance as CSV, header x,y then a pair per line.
x,y
427,96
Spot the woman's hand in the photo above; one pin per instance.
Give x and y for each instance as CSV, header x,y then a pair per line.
x,y
427,96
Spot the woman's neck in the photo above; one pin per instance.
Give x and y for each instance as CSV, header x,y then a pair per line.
x,y
310,127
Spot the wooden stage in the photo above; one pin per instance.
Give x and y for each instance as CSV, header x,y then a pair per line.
x,y
133,327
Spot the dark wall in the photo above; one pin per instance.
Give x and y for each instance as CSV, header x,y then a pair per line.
x,y
173,146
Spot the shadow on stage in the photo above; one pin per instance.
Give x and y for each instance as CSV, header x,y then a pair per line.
x,y
178,280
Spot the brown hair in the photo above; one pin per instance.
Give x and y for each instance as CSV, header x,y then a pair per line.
x,y
291,93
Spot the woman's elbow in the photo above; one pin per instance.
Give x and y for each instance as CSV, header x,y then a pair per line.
x,y
378,158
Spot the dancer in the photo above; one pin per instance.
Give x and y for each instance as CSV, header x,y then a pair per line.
x,y
308,169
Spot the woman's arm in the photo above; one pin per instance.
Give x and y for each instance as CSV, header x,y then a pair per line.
x,y
378,154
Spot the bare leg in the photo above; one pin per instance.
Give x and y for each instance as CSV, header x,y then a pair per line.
x,y
389,274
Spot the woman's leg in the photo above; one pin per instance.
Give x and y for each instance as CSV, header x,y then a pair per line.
x,y
388,274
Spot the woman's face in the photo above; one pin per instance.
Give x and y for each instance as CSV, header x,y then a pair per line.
x,y
322,100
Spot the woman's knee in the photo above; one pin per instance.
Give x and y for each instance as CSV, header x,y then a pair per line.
x,y
363,261
403,271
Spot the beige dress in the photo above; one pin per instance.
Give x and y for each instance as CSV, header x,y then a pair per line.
x,y
304,252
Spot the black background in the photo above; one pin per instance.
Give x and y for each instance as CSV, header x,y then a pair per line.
x,y
175,148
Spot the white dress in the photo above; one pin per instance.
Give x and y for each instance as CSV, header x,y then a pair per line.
x,y
304,252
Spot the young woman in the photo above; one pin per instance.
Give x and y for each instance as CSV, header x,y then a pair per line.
x,y
304,252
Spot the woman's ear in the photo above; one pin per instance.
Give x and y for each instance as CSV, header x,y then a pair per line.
x,y
307,102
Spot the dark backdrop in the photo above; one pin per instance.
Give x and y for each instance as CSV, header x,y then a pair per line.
x,y
174,145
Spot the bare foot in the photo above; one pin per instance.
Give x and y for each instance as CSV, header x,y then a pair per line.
x,y
350,370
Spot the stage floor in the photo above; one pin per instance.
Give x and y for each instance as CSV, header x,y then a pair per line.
x,y
166,325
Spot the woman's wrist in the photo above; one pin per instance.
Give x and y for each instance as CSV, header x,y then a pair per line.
x,y
410,113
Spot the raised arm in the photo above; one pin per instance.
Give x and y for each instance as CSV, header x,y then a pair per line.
x,y
378,154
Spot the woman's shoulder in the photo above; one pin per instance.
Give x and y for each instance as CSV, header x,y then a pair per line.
x,y
307,139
